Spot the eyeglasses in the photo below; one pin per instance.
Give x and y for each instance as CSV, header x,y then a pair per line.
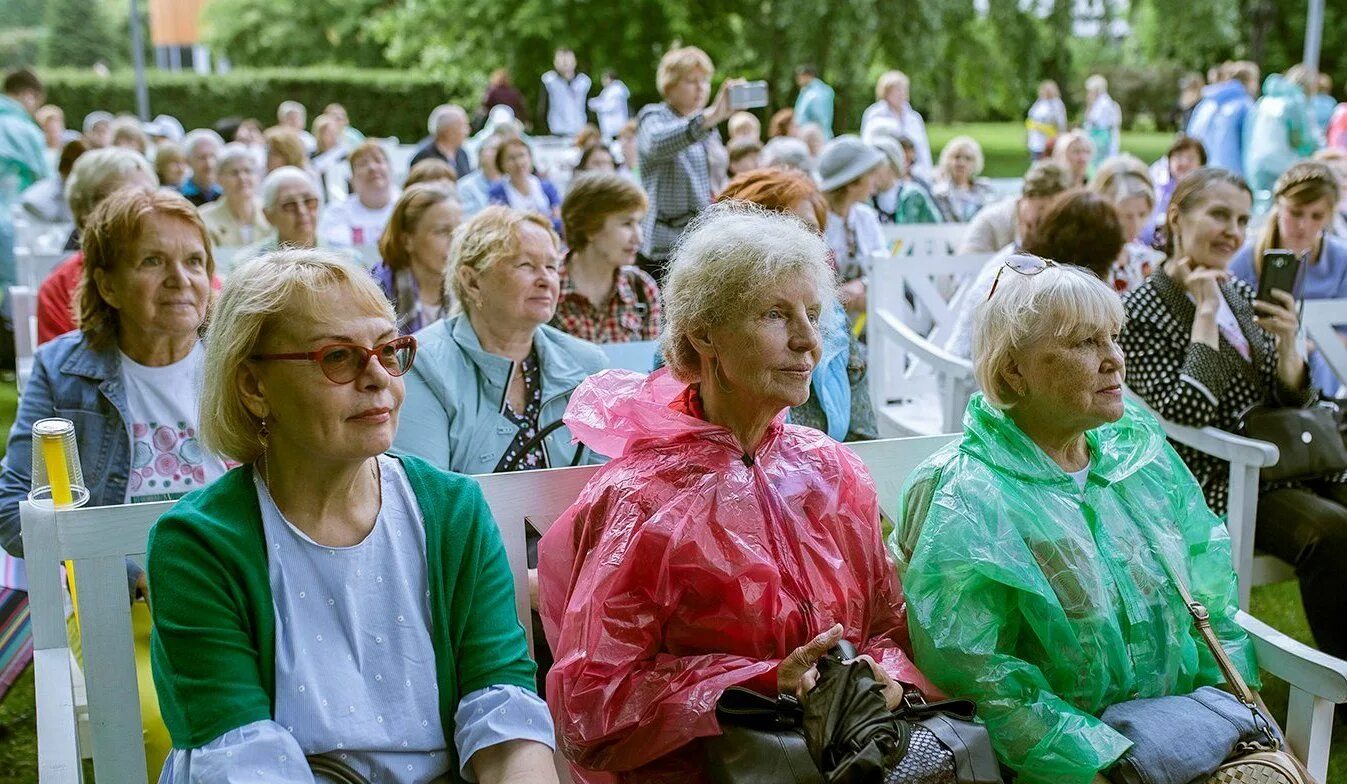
x,y
342,363
1026,264
292,207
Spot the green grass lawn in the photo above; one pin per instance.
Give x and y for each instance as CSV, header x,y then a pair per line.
x,y
1005,154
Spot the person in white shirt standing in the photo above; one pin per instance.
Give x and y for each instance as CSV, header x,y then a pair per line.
x,y
1046,119
361,218
891,102
612,105
561,104
1103,119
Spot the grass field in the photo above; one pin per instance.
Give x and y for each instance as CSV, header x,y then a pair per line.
x,y
1003,147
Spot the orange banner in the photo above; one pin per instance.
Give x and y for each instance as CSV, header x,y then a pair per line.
x,y
175,22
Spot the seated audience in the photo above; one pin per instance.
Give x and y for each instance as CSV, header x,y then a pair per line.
x,y
686,566
292,115
519,187
126,133
846,172
128,379
474,190
361,218
494,379
1036,552
203,155
330,160
236,218
1009,221
326,598
290,204
604,297
1304,200
92,179
1074,151
743,155
97,128
1079,228
595,157
286,148
448,126
744,125
170,165
432,170
898,199
814,138
839,392
45,199
415,250
630,163
958,190
1186,154
789,152
782,123
1125,181
1201,351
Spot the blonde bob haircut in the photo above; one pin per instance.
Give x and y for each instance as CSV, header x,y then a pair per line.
x,y
967,144
489,237
1122,176
729,259
1063,301
678,63
887,81
256,297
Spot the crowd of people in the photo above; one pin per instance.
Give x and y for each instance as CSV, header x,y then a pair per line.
x,y
315,353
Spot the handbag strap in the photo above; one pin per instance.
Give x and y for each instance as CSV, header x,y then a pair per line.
x,y
1202,620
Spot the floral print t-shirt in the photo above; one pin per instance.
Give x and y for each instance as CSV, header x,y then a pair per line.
x,y
167,459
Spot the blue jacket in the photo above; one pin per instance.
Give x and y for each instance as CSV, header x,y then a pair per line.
x,y
495,193
1218,122
815,105
1279,132
452,415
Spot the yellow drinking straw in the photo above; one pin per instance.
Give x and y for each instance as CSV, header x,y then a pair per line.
x,y
58,471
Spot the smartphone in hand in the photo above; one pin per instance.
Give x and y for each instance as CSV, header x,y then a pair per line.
x,y
749,95
1281,270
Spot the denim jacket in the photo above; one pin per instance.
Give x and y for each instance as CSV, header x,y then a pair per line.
x,y
453,412
72,381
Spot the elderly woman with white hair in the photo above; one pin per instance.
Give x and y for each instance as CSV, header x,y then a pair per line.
x,y
1040,553
236,218
1075,152
721,546
959,191
892,91
290,203
203,148
678,142
326,605
494,379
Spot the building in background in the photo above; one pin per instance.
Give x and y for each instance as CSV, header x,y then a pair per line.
x,y
175,31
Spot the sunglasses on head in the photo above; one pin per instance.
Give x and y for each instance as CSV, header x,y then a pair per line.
x,y
1026,264
342,363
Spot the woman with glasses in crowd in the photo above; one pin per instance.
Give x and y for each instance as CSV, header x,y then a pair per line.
x,y
325,598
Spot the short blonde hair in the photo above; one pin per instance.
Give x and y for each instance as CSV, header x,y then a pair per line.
x,y
486,238
728,259
1122,176
98,173
887,81
1096,83
1062,301
285,142
260,293
967,143
678,63
745,124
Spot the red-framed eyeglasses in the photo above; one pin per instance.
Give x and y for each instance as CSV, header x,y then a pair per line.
x,y
343,362
1026,264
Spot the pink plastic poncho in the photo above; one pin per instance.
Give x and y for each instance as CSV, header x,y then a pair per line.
x,y
686,566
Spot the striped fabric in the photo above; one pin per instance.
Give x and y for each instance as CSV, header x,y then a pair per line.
x,y
16,639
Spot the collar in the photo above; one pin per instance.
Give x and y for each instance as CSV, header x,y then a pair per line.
x,y
622,289
560,370
85,362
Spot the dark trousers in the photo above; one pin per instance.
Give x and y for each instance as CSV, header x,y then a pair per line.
x,y
1307,527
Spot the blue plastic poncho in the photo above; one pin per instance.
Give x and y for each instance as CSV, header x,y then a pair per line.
x,y
1046,603
1280,131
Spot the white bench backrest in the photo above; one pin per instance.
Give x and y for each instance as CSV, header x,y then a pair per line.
x,y
1322,319
33,267
637,355
928,239
41,237
23,308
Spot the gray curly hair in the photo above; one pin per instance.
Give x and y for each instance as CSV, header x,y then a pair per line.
x,y
728,260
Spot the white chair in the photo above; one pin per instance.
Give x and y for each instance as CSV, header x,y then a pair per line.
x,y
1247,458
23,309
637,355
32,268
917,387
931,239
1321,320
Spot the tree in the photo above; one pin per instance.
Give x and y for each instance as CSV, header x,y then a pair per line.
x,y
78,34
21,14
296,32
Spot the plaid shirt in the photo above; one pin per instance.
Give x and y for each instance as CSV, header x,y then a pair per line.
x,y
631,312
674,173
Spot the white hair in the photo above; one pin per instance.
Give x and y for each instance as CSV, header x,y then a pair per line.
x,y
290,106
1063,302
441,115
731,257
285,175
199,135
234,152
1097,83
99,172
787,151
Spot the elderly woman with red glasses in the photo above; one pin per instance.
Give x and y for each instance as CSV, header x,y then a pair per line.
x,y
1039,553
327,600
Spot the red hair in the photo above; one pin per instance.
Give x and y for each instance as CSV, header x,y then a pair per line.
x,y
779,189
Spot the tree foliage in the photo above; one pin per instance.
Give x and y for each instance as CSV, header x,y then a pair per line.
x,y
78,34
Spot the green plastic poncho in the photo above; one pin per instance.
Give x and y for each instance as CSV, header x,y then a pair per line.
x,y
1046,603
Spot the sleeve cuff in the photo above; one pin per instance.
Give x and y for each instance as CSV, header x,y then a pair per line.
x,y
498,714
697,131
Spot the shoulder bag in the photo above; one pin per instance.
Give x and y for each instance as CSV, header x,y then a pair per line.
x,y
1309,440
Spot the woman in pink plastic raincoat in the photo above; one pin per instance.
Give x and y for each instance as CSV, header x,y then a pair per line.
x,y
721,546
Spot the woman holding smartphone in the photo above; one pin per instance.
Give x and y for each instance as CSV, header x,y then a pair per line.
x,y
1305,199
1200,350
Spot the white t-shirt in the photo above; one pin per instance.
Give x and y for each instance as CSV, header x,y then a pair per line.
x,y
167,458
1081,477
350,223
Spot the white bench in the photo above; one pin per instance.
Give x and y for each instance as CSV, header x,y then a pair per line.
x,y
31,268
1321,318
99,539
23,309
637,355
924,238
917,388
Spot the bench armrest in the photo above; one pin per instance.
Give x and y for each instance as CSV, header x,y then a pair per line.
x,y
1298,664
939,359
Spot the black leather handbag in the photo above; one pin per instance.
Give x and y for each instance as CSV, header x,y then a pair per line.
x,y
1309,440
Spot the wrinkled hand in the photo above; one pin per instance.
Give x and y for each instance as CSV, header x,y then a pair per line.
x,y
797,673
1203,283
893,690
1280,317
533,589
720,110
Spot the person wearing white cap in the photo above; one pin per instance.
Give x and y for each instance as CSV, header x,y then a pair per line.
x,y
846,173
164,128
98,129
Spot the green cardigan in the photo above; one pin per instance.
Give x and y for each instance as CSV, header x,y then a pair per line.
x,y
214,637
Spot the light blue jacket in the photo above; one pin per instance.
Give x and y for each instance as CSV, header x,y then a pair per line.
x,y
453,415
1218,122
815,105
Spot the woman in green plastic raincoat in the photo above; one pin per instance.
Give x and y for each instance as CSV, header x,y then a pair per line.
x,y
1036,552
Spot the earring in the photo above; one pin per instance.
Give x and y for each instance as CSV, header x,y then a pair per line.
x,y
263,434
